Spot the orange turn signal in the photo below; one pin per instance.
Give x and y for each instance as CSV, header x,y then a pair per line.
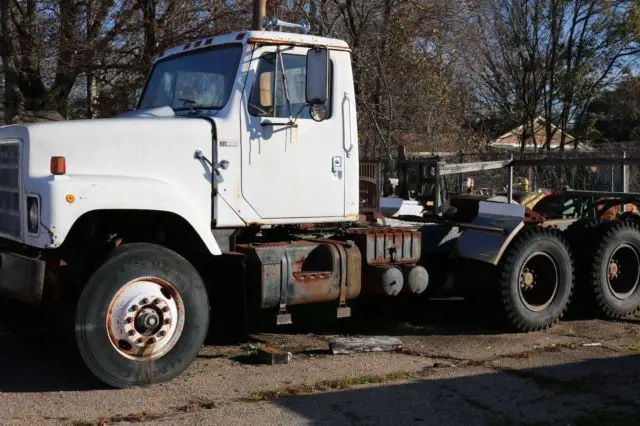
x,y
58,166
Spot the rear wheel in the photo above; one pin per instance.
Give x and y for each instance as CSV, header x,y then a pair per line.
x,y
615,270
142,317
535,279
583,236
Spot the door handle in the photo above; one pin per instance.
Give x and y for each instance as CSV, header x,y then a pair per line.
x,y
265,123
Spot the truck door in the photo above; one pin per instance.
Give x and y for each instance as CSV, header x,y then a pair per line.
x,y
292,165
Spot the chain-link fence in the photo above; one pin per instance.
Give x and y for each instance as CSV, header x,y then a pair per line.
x,y
555,175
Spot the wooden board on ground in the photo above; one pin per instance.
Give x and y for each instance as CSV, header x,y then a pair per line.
x,y
347,345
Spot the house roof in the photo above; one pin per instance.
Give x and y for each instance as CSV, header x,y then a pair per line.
x,y
511,139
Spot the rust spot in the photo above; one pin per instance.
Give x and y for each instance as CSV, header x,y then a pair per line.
x,y
386,245
301,272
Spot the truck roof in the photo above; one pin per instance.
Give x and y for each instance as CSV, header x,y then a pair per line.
x,y
267,37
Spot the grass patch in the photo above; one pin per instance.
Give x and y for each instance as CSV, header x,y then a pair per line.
x,y
634,348
333,384
144,416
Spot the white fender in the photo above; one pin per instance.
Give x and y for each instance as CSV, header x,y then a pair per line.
x,y
99,193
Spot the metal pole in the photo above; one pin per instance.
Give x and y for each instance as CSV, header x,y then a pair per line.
x,y
613,176
625,174
259,11
460,177
510,184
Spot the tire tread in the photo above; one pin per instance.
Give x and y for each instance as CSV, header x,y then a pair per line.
x,y
505,277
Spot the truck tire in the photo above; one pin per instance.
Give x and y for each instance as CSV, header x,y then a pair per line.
x,y
535,279
583,236
615,270
142,317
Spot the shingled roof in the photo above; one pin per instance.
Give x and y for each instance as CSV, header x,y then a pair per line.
x,y
510,141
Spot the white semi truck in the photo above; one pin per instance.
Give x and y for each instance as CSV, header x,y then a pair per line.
x,y
234,184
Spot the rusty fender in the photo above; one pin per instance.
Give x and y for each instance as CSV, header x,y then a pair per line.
x,y
491,231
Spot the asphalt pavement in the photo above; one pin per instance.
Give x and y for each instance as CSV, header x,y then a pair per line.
x,y
453,369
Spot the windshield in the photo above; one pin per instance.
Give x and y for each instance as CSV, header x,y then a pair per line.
x,y
197,81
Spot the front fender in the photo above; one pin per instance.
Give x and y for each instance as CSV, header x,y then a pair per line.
x,y
490,246
93,193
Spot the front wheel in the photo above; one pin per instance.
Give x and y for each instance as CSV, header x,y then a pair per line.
x,y
142,317
536,279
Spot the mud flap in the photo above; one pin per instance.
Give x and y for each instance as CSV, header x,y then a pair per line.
x,y
21,278
493,229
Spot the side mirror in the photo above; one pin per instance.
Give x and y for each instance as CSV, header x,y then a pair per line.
x,y
317,90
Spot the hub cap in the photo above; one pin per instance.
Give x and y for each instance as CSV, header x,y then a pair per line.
x,y
623,271
145,318
538,281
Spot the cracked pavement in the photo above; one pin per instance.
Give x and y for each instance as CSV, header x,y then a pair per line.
x,y
453,369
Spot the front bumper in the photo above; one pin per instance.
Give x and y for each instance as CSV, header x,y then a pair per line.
x,y
21,277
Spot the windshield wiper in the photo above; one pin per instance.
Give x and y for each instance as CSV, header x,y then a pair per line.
x,y
193,106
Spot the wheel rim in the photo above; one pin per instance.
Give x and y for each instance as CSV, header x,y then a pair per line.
x,y
145,318
538,281
623,271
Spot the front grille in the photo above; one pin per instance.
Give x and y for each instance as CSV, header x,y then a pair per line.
x,y
10,188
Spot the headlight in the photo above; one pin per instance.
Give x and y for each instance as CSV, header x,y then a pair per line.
x,y
33,215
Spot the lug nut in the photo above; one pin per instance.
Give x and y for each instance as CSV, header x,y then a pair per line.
x,y
167,321
161,334
144,301
134,308
165,309
139,341
151,341
128,320
131,332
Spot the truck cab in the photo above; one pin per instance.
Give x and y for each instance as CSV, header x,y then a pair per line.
x,y
287,160
224,136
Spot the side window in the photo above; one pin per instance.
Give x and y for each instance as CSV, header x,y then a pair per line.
x,y
268,96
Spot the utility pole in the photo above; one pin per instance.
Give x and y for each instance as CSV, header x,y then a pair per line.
x,y
259,10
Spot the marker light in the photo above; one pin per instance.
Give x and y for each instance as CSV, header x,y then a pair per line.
x,y
58,166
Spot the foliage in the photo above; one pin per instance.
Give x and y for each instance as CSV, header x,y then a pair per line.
x,y
434,74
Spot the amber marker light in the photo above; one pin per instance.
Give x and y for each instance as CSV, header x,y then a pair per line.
x,y
70,198
58,166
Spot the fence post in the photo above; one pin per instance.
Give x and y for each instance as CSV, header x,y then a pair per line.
x,y
460,177
613,175
510,184
625,173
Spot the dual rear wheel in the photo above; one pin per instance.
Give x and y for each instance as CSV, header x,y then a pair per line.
x,y
609,279
536,281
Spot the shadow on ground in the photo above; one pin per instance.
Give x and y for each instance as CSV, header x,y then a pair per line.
x,y
394,317
37,353
594,392
37,356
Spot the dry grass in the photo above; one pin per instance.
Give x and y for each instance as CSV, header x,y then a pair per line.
x,y
335,384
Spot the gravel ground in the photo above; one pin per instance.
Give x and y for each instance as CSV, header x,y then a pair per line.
x,y
452,370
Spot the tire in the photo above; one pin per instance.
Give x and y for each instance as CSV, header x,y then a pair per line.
x,y
535,279
583,236
615,270
142,317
